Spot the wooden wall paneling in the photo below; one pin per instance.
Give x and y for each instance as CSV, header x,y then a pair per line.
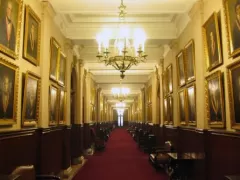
x,y
193,140
17,148
66,163
51,150
171,134
76,141
223,154
87,136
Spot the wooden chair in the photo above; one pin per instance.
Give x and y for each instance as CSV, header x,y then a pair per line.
x,y
159,157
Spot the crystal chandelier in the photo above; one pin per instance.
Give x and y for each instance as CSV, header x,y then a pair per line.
x,y
120,93
127,48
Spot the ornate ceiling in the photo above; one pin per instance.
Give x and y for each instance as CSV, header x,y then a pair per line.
x,y
82,20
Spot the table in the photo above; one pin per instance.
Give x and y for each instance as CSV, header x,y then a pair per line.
x,y
182,164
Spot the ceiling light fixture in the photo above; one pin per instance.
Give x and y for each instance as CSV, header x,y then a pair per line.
x,y
120,93
127,49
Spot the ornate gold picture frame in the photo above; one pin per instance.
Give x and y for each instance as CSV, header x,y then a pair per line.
x,y
233,72
181,69
53,104
62,69
212,42
170,110
189,52
170,78
165,111
32,36
31,99
182,107
9,81
215,100
11,14
54,58
62,106
191,105
232,19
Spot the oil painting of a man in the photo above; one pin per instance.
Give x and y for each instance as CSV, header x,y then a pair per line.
x,y
8,23
31,99
6,92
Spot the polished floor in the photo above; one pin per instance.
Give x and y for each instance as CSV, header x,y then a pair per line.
x,y
121,160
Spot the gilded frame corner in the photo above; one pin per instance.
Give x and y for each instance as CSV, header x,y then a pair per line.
x,y
31,122
29,12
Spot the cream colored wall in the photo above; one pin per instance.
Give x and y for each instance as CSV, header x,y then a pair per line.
x,y
48,30
199,14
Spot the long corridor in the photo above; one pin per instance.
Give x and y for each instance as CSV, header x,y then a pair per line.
x,y
121,160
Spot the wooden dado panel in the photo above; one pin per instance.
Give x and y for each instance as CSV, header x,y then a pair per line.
x,y
223,150
51,151
191,140
66,147
17,148
87,136
76,140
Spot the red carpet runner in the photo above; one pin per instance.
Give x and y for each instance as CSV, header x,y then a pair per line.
x,y
121,160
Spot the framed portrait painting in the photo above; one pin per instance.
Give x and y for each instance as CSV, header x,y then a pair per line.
x,y
53,104
32,36
170,110
181,70
234,93
165,83
212,42
10,26
54,58
190,61
165,111
170,79
31,99
232,19
62,105
191,104
182,107
62,69
9,75
215,100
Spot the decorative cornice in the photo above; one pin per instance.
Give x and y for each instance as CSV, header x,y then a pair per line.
x,y
47,7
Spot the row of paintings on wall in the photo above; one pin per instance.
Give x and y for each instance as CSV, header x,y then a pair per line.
x,y
212,38
10,25
215,106
186,64
9,83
